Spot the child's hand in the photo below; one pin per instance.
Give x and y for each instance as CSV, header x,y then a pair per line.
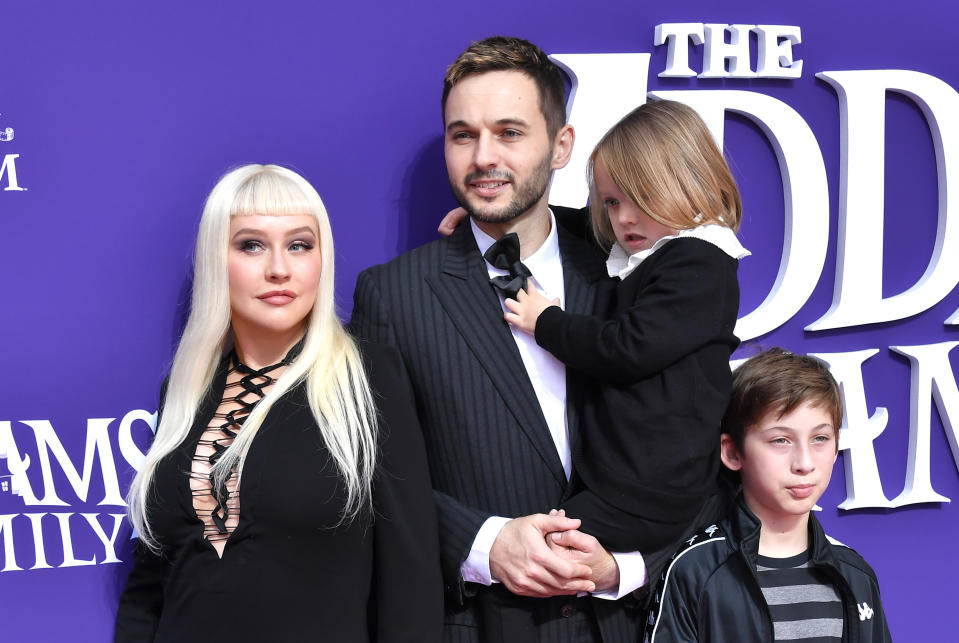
x,y
450,221
526,308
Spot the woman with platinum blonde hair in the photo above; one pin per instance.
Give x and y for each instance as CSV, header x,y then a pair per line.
x,y
286,494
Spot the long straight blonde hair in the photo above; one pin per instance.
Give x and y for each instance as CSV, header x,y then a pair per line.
x,y
662,156
337,387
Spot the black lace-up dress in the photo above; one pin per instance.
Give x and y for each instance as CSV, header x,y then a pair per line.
x,y
263,560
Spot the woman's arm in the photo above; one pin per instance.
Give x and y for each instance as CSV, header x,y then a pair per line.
x,y
142,599
407,590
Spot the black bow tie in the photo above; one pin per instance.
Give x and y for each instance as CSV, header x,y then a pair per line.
x,y
504,254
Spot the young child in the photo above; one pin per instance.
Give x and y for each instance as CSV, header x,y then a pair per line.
x,y
664,201
767,571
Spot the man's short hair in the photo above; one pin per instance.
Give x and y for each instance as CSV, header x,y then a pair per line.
x,y
502,53
777,381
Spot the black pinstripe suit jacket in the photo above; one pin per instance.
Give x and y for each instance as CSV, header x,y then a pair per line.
x,y
489,448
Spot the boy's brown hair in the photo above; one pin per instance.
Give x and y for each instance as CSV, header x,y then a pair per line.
x,y
501,53
664,159
778,381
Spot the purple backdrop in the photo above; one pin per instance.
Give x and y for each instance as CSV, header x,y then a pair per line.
x,y
120,120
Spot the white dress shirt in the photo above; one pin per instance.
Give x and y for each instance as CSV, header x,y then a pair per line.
x,y
548,377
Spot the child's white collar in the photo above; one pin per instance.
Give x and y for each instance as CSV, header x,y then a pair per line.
x,y
620,263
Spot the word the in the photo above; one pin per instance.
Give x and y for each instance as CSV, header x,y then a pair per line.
x,y
774,55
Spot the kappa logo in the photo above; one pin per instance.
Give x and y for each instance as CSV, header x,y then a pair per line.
x,y
865,612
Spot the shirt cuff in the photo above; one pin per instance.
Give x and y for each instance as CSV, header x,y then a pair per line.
x,y
632,575
475,569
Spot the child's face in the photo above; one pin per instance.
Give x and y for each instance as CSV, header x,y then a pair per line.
x,y
785,463
634,229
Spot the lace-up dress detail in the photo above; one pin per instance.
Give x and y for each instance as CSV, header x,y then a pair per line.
x,y
218,506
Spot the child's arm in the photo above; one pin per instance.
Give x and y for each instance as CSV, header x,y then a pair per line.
x,y
526,308
690,299
674,614
450,221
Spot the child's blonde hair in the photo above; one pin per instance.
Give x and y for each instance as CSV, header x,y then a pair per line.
x,y
663,158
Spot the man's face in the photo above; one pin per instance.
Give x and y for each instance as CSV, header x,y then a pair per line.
x,y
786,462
499,156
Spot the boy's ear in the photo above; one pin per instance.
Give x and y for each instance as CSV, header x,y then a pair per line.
x,y
729,453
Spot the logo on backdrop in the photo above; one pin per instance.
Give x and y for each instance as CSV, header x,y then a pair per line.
x,y
8,163
65,515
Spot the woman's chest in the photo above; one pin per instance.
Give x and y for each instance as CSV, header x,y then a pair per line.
x,y
288,484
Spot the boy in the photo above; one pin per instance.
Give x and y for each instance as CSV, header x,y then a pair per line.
x,y
768,571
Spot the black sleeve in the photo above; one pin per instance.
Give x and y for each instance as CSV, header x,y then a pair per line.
x,y
458,523
142,599
874,627
407,586
690,297
674,611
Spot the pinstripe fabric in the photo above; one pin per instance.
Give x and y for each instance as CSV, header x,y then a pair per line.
x,y
489,448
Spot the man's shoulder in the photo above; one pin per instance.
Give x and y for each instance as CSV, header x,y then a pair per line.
x,y
581,256
420,260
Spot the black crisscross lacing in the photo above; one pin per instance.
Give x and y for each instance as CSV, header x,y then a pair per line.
x,y
218,506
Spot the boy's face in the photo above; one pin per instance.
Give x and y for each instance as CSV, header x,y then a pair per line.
x,y
785,462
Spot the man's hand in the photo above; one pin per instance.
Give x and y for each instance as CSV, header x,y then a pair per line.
x,y
522,560
526,308
578,547
450,221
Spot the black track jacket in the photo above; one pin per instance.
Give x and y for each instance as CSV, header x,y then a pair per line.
x,y
710,591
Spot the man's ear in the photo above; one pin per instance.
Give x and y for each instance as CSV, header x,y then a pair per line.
x,y
563,146
729,453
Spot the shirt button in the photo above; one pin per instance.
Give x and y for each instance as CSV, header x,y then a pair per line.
x,y
567,610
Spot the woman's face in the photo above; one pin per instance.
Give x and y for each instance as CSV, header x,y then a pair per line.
x,y
274,266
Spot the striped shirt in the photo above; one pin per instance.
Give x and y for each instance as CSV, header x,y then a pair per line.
x,y
803,604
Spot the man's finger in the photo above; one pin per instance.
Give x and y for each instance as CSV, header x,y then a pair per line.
x,y
575,539
560,567
551,584
547,524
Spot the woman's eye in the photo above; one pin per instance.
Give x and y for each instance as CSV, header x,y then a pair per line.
x,y
301,246
779,441
610,202
251,245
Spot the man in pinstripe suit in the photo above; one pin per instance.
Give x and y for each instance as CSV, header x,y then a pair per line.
x,y
498,425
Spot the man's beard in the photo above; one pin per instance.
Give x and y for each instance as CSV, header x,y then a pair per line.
x,y
525,195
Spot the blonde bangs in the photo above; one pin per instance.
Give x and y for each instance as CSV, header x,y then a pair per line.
x,y
271,194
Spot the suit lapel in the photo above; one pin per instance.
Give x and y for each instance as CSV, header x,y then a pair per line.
x,y
464,291
582,268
